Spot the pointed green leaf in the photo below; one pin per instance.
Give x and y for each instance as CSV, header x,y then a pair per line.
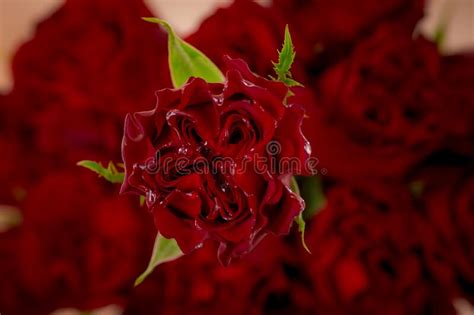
x,y
110,173
285,61
313,195
302,228
299,219
185,61
164,250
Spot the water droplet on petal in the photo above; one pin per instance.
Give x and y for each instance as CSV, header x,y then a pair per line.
x,y
307,147
150,198
248,83
218,99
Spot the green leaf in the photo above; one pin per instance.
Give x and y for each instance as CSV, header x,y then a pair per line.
x,y
299,219
185,61
164,250
285,61
110,173
313,195
10,217
302,228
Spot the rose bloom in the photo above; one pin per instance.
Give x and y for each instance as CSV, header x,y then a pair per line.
x,y
88,64
86,135
270,281
377,113
457,79
95,53
173,155
248,31
447,196
79,246
370,255
331,29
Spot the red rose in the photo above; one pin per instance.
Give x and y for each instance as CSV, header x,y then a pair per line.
x,y
331,28
98,54
79,247
208,287
13,298
457,79
269,281
368,255
87,65
448,199
211,160
82,134
283,284
247,31
377,113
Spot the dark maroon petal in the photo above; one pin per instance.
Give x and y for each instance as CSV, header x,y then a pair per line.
x,y
279,208
246,128
295,150
136,146
239,87
278,89
175,218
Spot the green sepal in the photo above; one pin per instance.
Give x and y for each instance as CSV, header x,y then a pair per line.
x,y
312,192
110,173
186,61
164,250
286,57
299,219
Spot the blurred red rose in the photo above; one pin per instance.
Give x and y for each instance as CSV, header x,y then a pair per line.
x,y
98,54
447,196
78,246
208,287
457,80
86,66
13,299
368,258
89,135
377,113
269,281
209,159
332,28
248,31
